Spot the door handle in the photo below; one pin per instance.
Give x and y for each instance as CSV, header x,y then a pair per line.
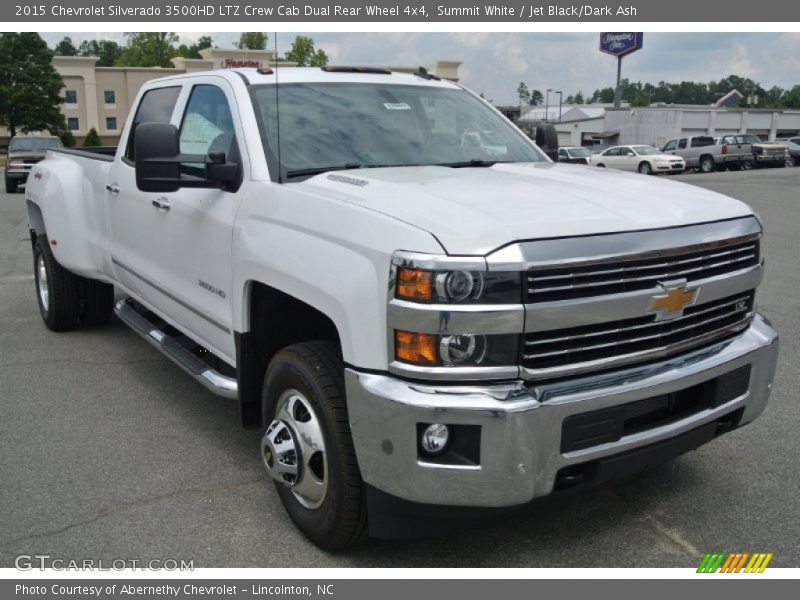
x,y
113,188
162,203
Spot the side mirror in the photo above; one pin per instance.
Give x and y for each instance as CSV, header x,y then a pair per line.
x,y
156,147
547,139
158,159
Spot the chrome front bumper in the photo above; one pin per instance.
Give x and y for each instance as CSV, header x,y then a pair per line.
x,y
520,436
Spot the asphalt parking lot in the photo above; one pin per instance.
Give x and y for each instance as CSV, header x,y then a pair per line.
x,y
109,451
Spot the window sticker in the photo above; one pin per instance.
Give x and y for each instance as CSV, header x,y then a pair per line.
x,y
396,106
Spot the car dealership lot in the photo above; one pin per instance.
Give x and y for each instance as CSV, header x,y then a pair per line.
x,y
108,450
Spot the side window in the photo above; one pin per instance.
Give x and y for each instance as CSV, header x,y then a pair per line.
x,y
682,143
611,152
562,153
670,145
701,142
207,127
156,107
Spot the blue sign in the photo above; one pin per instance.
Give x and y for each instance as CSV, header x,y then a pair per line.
x,y
621,44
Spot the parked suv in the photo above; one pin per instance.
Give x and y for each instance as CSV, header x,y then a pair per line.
x,y
24,152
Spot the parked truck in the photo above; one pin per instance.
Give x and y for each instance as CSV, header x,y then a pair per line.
x,y
24,151
704,153
413,320
762,154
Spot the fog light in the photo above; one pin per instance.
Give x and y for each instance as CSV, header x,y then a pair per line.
x,y
435,438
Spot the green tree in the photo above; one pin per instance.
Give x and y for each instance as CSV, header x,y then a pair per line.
x,y
30,88
66,138
304,54
252,40
148,49
108,51
523,93
193,50
579,99
536,98
92,139
65,48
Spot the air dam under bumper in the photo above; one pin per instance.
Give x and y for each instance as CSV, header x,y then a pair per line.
x,y
521,425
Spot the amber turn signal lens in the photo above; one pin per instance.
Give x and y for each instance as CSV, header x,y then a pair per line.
x,y
415,348
413,284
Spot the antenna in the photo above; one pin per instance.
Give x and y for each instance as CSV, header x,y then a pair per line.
x,y
278,111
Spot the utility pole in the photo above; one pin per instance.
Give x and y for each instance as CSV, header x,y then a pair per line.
x,y
547,104
618,91
560,96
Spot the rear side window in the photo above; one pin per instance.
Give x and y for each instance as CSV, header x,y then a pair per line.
x,y
156,107
700,142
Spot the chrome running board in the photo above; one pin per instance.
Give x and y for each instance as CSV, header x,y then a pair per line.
x,y
212,380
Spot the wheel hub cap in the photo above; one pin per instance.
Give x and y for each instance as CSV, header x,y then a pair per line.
x,y
293,450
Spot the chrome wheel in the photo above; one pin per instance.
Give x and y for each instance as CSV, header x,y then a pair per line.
x,y
293,449
41,283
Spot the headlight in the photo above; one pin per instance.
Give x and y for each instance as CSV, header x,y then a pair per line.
x,y
458,287
458,350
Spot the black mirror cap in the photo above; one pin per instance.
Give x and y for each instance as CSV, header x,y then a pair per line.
x,y
154,141
547,139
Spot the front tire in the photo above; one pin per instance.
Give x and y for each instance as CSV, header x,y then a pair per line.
x,y
56,289
304,404
746,165
645,168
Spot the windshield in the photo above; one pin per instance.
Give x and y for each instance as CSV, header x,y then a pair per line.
x,y
645,150
25,144
579,152
350,125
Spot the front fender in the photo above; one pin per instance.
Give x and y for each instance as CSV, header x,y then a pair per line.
x,y
333,256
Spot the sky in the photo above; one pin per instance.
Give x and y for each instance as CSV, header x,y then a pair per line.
x,y
495,63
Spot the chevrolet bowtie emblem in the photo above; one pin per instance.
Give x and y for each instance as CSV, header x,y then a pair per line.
x,y
671,304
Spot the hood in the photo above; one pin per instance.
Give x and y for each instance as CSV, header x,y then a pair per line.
x,y
477,210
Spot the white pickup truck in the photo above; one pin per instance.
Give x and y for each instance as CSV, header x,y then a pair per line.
x,y
416,321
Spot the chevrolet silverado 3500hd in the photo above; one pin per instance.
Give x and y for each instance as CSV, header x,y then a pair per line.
x,y
410,298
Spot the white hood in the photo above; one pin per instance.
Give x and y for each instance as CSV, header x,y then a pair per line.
x,y
476,210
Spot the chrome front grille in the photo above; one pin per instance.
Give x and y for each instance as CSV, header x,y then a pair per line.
x,y
574,281
625,339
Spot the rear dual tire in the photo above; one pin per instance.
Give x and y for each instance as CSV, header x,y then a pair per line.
x,y
66,299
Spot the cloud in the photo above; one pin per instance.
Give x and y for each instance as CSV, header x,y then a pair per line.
x,y
495,63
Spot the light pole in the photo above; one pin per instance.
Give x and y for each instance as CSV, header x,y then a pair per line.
x,y
560,96
547,104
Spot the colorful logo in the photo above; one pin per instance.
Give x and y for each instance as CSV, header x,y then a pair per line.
x,y
734,562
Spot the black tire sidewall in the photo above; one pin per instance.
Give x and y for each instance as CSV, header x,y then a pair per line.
x,y
289,371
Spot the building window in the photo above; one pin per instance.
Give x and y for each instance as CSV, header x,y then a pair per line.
x,y
71,97
111,123
72,123
110,97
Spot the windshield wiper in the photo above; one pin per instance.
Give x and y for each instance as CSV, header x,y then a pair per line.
x,y
318,170
471,163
